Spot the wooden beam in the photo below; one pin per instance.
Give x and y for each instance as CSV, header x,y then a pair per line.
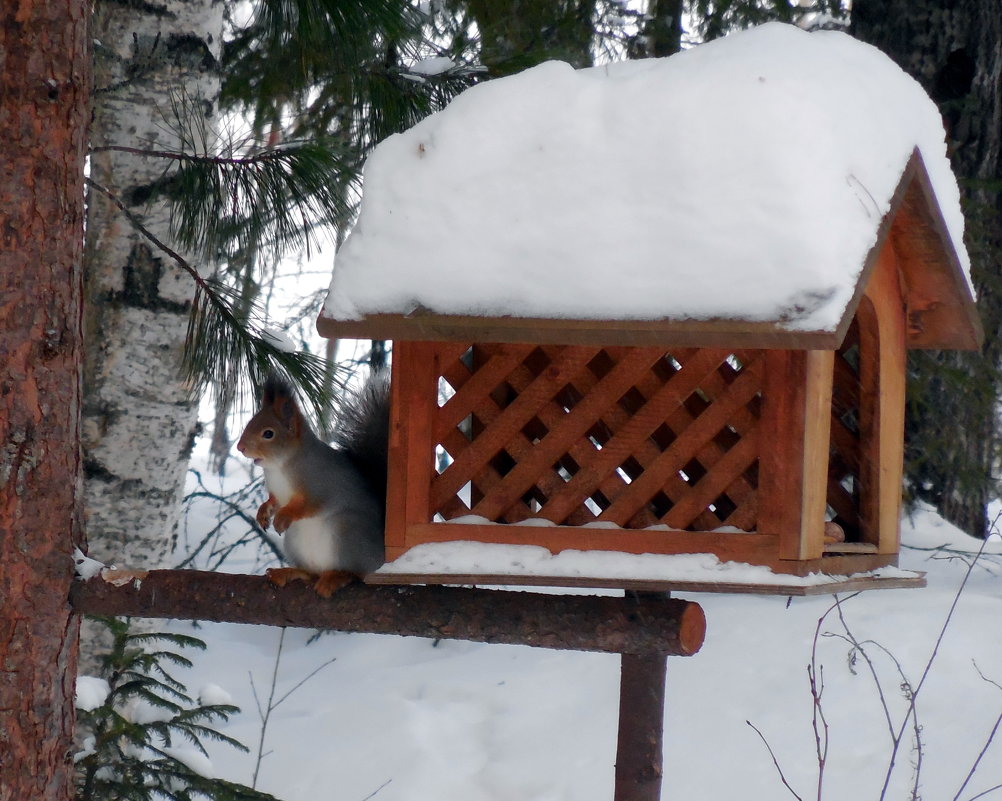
x,y
628,625
730,546
793,464
886,451
639,752
848,573
426,325
411,458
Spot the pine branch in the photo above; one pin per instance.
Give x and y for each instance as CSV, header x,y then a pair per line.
x,y
282,197
225,349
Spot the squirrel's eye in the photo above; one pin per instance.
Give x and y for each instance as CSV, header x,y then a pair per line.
x,y
267,434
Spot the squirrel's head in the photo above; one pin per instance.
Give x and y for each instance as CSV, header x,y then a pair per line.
x,y
278,426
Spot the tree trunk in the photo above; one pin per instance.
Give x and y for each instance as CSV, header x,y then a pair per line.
x,y
662,30
45,75
139,422
518,34
952,48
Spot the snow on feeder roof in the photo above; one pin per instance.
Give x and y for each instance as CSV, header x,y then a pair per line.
x,y
741,188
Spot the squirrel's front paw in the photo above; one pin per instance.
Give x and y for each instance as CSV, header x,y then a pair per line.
x,y
282,521
264,513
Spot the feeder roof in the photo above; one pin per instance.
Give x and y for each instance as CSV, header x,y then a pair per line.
x,y
736,192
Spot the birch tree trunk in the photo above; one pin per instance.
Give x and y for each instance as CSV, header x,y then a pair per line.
x,y
954,49
44,75
139,423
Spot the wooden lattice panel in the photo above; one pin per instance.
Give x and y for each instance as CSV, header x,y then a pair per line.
x,y
851,469
631,437
844,457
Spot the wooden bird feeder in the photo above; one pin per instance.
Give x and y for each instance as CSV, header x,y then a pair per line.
x,y
730,437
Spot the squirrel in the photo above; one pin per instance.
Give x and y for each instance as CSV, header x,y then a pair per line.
x,y
328,501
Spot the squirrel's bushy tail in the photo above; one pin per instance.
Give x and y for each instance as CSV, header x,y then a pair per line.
x,y
363,429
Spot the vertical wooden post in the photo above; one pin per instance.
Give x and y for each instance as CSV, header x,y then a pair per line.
x,y
639,753
640,749
413,401
795,436
884,451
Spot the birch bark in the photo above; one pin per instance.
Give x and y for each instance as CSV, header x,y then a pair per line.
x,y
138,421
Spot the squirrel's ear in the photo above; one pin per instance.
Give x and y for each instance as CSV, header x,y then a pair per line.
x,y
279,398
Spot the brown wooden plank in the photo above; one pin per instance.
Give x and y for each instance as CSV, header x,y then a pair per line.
x,y
665,467
941,312
752,548
509,422
847,444
728,334
843,503
852,583
477,386
630,437
817,441
411,455
742,420
730,466
793,465
884,291
452,363
566,429
868,473
850,547
549,483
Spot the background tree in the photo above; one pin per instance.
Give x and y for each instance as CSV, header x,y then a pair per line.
x,y
952,48
156,90
45,75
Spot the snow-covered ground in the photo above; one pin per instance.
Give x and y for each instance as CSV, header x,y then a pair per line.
x,y
406,719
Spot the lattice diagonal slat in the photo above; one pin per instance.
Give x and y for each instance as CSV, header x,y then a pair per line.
x,y
630,436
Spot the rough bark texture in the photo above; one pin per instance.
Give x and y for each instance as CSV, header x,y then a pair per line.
x,y
954,49
640,750
637,625
44,72
138,421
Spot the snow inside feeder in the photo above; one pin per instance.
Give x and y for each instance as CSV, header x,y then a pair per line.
x,y
660,306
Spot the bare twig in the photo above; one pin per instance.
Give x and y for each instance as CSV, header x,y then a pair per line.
x,y
859,647
146,232
779,770
917,688
235,503
264,711
819,723
988,742
983,793
377,790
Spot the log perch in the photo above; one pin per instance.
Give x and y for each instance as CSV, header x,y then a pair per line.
x,y
628,625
